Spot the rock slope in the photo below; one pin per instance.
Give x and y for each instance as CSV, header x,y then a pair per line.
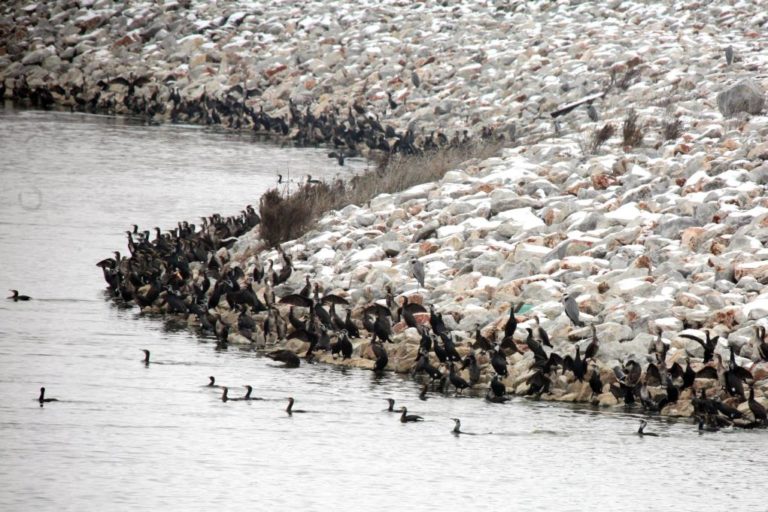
x,y
656,227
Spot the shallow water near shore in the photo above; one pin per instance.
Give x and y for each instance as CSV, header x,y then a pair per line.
x,y
125,436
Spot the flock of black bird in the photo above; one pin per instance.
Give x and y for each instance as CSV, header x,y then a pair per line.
x,y
223,300
350,130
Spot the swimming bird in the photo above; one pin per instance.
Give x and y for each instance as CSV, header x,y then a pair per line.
x,y
44,400
247,396
16,297
572,310
456,426
290,410
640,432
146,357
409,418
224,395
391,407
212,383
312,181
417,270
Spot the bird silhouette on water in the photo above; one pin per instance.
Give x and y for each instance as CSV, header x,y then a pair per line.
x,y
290,410
642,433
391,407
42,400
16,297
409,418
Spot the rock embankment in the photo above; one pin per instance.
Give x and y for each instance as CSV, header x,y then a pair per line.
x,y
459,70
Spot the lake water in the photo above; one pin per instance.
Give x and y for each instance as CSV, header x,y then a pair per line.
x,y
128,437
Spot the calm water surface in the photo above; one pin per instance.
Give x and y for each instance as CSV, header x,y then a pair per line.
x,y
129,437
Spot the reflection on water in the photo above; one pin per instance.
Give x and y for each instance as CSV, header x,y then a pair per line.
x,y
133,437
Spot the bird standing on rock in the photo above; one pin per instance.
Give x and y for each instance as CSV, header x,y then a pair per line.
x,y
417,270
592,113
729,55
572,310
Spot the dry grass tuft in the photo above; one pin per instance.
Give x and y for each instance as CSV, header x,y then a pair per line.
x,y
631,130
599,137
671,129
286,216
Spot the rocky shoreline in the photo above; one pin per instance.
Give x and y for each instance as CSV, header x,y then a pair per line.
x,y
646,203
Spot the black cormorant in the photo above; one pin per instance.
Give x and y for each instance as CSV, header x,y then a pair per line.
x,y
409,418
290,410
640,432
44,400
16,297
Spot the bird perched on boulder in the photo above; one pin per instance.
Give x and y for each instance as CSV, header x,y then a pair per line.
x,y
572,310
417,270
592,113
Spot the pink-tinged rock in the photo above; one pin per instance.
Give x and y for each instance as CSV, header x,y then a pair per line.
x,y
270,72
756,269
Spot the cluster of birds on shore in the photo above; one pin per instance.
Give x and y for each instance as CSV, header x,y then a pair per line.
x,y
187,273
351,131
